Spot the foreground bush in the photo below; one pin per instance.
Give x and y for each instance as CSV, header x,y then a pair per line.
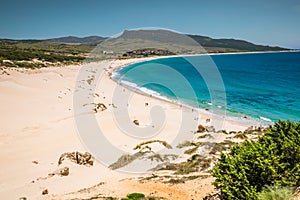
x,y
273,160
276,193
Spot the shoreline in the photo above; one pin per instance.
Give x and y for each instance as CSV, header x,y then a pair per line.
x,y
242,118
211,54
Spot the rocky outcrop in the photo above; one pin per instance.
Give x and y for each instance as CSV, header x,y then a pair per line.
x,y
64,171
45,191
78,158
201,129
100,107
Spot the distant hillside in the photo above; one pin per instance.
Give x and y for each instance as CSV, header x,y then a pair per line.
x,y
73,39
232,44
210,44
133,43
179,43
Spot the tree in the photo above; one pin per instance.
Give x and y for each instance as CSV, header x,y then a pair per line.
x,y
272,160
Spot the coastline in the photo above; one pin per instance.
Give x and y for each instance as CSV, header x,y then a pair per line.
x,y
40,127
241,119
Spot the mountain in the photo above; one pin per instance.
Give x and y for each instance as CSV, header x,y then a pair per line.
x,y
232,44
210,44
179,43
73,39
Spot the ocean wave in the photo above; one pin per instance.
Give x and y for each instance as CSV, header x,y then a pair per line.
x,y
234,115
141,89
115,75
149,91
128,84
265,119
213,111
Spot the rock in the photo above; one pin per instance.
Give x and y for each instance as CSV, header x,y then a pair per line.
x,y
136,122
201,129
100,106
35,162
216,196
77,157
64,171
45,191
50,175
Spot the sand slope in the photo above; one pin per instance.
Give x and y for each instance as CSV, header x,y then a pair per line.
x,y
37,124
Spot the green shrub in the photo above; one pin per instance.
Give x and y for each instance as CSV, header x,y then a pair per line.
x,y
135,196
275,193
273,160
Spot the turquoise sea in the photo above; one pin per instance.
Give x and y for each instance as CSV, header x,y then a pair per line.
x,y
261,86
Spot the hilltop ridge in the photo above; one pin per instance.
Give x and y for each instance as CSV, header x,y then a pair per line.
x,y
32,53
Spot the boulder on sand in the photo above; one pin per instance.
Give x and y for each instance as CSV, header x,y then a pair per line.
x,y
64,171
78,158
201,129
45,191
100,106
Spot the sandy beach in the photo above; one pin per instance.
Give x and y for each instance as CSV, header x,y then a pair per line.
x,y
37,126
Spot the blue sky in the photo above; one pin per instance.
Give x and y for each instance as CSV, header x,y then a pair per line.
x,y
272,22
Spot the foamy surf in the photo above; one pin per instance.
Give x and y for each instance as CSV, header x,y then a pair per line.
x,y
265,119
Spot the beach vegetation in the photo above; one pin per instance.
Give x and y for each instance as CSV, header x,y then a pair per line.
x,y
191,150
175,181
196,164
240,135
205,136
223,131
162,158
164,143
185,144
141,196
37,54
275,193
144,149
135,196
125,160
274,159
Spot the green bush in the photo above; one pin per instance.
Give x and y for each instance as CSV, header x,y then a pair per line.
x,y
275,193
272,160
135,196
